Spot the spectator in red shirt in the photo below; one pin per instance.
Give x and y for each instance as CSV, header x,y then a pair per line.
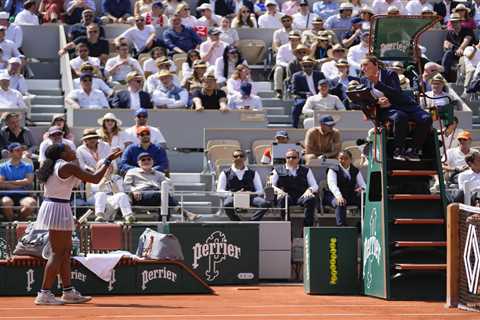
x,y
280,137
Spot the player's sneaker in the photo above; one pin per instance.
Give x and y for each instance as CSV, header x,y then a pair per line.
x,y
73,296
47,298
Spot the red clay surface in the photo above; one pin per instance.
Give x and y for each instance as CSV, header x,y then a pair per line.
x,y
263,302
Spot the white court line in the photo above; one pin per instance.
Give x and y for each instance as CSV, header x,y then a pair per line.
x,y
283,315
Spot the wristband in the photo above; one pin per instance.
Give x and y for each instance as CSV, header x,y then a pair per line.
x,y
107,162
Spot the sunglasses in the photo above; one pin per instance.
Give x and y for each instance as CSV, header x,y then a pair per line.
x,y
290,158
144,134
238,156
87,80
145,159
93,31
142,117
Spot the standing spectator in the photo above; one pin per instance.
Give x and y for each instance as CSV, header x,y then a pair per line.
x,y
352,36
345,185
325,8
133,97
17,81
83,56
58,120
28,16
209,97
228,35
323,141
55,136
240,76
156,152
284,57
270,19
75,8
92,151
180,39
244,19
342,20
16,179
9,98
97,47
141,119
80,29
295,185
213,48
14,132
116,11
208,18
51,10
226,65
156,17
110,131
143,37
280,36
169,95
86,97
303,19
244,100
381,6
8,47
120,66
290,7
240,178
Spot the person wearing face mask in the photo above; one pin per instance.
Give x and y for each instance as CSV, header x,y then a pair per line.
x,y
345,186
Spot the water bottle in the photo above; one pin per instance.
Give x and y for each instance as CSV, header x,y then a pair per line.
x,y
75,245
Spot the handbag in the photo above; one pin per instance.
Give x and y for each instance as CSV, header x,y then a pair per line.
x,y
32,242
158,246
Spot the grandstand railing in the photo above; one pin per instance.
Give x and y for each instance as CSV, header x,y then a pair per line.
x,y
65,70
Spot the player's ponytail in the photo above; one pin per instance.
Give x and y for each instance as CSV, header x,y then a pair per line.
x,y
52,154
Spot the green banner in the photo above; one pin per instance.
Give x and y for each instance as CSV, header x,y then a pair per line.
x,y
394,36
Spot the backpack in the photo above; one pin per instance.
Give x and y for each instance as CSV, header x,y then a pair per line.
x,y
158,246
32,242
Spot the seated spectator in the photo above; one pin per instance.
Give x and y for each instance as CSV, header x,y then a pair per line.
x,y
179,38
439,92
471,176
55,136
357,53
13,32
226,65
244,19
143,37
293,67
342,20
284,57
323,141
469,62
430,69
116,11
228,35
303,19
476,11
156,16
208,97
119,66
281,137
259,7
80,29
9,98
455,162
304,84
92,151
110,132
153,82
144,181
213,48
14,132
183,10
240,178
310,36
17,81
86,97
58,120
270,19
290,7
195,81
187,66
110,196
75,8
97,47
141,119
393,11
245,100
325,8
129,157
133,97
295,184
321,47
82,57
51,11
366,13
8,47
381,6
169,95
457,39
142,6
16,180
171,7
150,65
240,76
345,186
280,36
97,81
450,135
415,7
323,101
329,68
352,36
208,18
340,84
28,16
467,21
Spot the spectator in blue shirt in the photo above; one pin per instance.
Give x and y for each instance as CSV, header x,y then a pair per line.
x,y
180,39
13,7
16,178
116,11
342,20
325,8
129,157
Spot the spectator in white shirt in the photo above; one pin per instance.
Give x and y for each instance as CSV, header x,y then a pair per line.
x,y
13,33
415,7
225,66
141,119
169,95
83,57
329,68
322,101
381,6
55,136
245,100
9,98
183,11
119,66
470,176
150,65
17,81
241,75
97,81
228,35
28,16
455,162
86,97
9,48
110,131
284,57
213,48
92,151
303,18
357,53
153,82
142,36
208,18
280,36
270,19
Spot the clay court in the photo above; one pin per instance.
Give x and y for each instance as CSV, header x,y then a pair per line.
x,y
262,302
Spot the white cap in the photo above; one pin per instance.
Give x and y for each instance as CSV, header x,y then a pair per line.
x,y
4,15
346,5
205,6
271,2
14,60
4,76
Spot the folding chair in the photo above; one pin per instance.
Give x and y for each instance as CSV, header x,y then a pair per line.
x,y
106,237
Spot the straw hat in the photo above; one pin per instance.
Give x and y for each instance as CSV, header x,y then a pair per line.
x,y
336,47
461,7
109,116
439,78
89,134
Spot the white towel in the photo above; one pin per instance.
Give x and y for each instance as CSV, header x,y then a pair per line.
x,y
102,264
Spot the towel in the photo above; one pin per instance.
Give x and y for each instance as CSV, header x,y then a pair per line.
x,y
102,264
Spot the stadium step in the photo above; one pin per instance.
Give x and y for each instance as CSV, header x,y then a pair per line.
x,y
279,125
47,108
419,221
421,266
40,116
401,244
48,100
48,87
278,118
274,111
414,197
412,173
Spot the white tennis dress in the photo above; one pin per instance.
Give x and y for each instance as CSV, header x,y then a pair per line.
x,y
55,213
